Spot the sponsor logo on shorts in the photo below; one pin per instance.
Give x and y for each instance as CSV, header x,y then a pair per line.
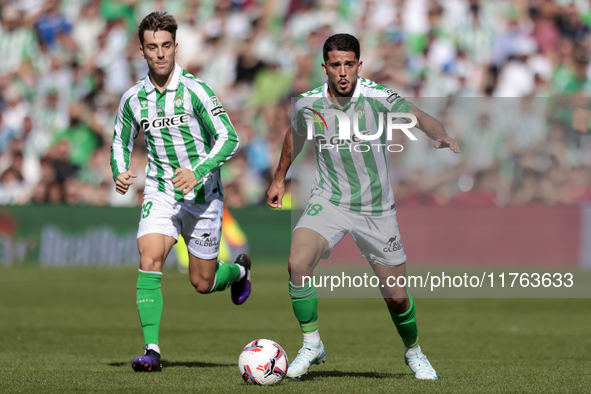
x,y
206,240
394,244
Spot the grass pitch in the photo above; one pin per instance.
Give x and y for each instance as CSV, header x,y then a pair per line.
x,y
67,330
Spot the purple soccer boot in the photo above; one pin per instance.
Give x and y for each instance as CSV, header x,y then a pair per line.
x,y
149,362
241,289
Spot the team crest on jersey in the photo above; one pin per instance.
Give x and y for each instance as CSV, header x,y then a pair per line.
x,y
360,111
178,101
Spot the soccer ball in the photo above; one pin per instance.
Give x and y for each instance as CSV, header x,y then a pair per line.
x,y
262,363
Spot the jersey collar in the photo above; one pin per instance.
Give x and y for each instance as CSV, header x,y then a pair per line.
x,y
174,82
328,103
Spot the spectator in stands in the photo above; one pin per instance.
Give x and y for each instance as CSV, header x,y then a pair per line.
x,y
258,57
51,23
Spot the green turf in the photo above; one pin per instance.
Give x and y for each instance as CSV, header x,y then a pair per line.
x,y
66,330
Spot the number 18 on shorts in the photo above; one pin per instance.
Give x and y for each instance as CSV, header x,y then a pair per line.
x,y
377,237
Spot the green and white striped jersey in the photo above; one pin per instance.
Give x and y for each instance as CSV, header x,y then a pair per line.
x,y
184,126
16,47
353,178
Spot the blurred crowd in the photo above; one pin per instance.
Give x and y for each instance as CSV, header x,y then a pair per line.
x,y
502,75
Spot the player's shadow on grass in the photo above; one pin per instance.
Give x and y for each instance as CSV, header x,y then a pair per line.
x,y
340,374
172,364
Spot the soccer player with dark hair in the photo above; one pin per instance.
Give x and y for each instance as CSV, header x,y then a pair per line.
x,y
352,193
188,136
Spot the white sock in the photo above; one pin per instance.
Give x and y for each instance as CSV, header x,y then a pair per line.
x,y
412,351
154,347
312,337
242,273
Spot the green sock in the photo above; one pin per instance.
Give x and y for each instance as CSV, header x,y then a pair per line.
x,y
304,300
225,275
149,304
406,324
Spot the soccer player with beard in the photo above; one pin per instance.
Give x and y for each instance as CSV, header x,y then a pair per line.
x,y
188,136
352,193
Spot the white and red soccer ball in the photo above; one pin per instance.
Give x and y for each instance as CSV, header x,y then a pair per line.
x,y
263,363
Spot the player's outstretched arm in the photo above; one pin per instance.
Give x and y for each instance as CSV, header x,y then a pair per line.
x,y
291,148
434,129
122,182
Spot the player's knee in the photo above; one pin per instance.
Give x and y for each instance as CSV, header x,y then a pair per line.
x,y
397,305
298,265
149,263
203,288
201,285
297,271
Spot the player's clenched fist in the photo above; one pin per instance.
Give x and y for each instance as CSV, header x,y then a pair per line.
x,y
275,194
122,182
184,180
